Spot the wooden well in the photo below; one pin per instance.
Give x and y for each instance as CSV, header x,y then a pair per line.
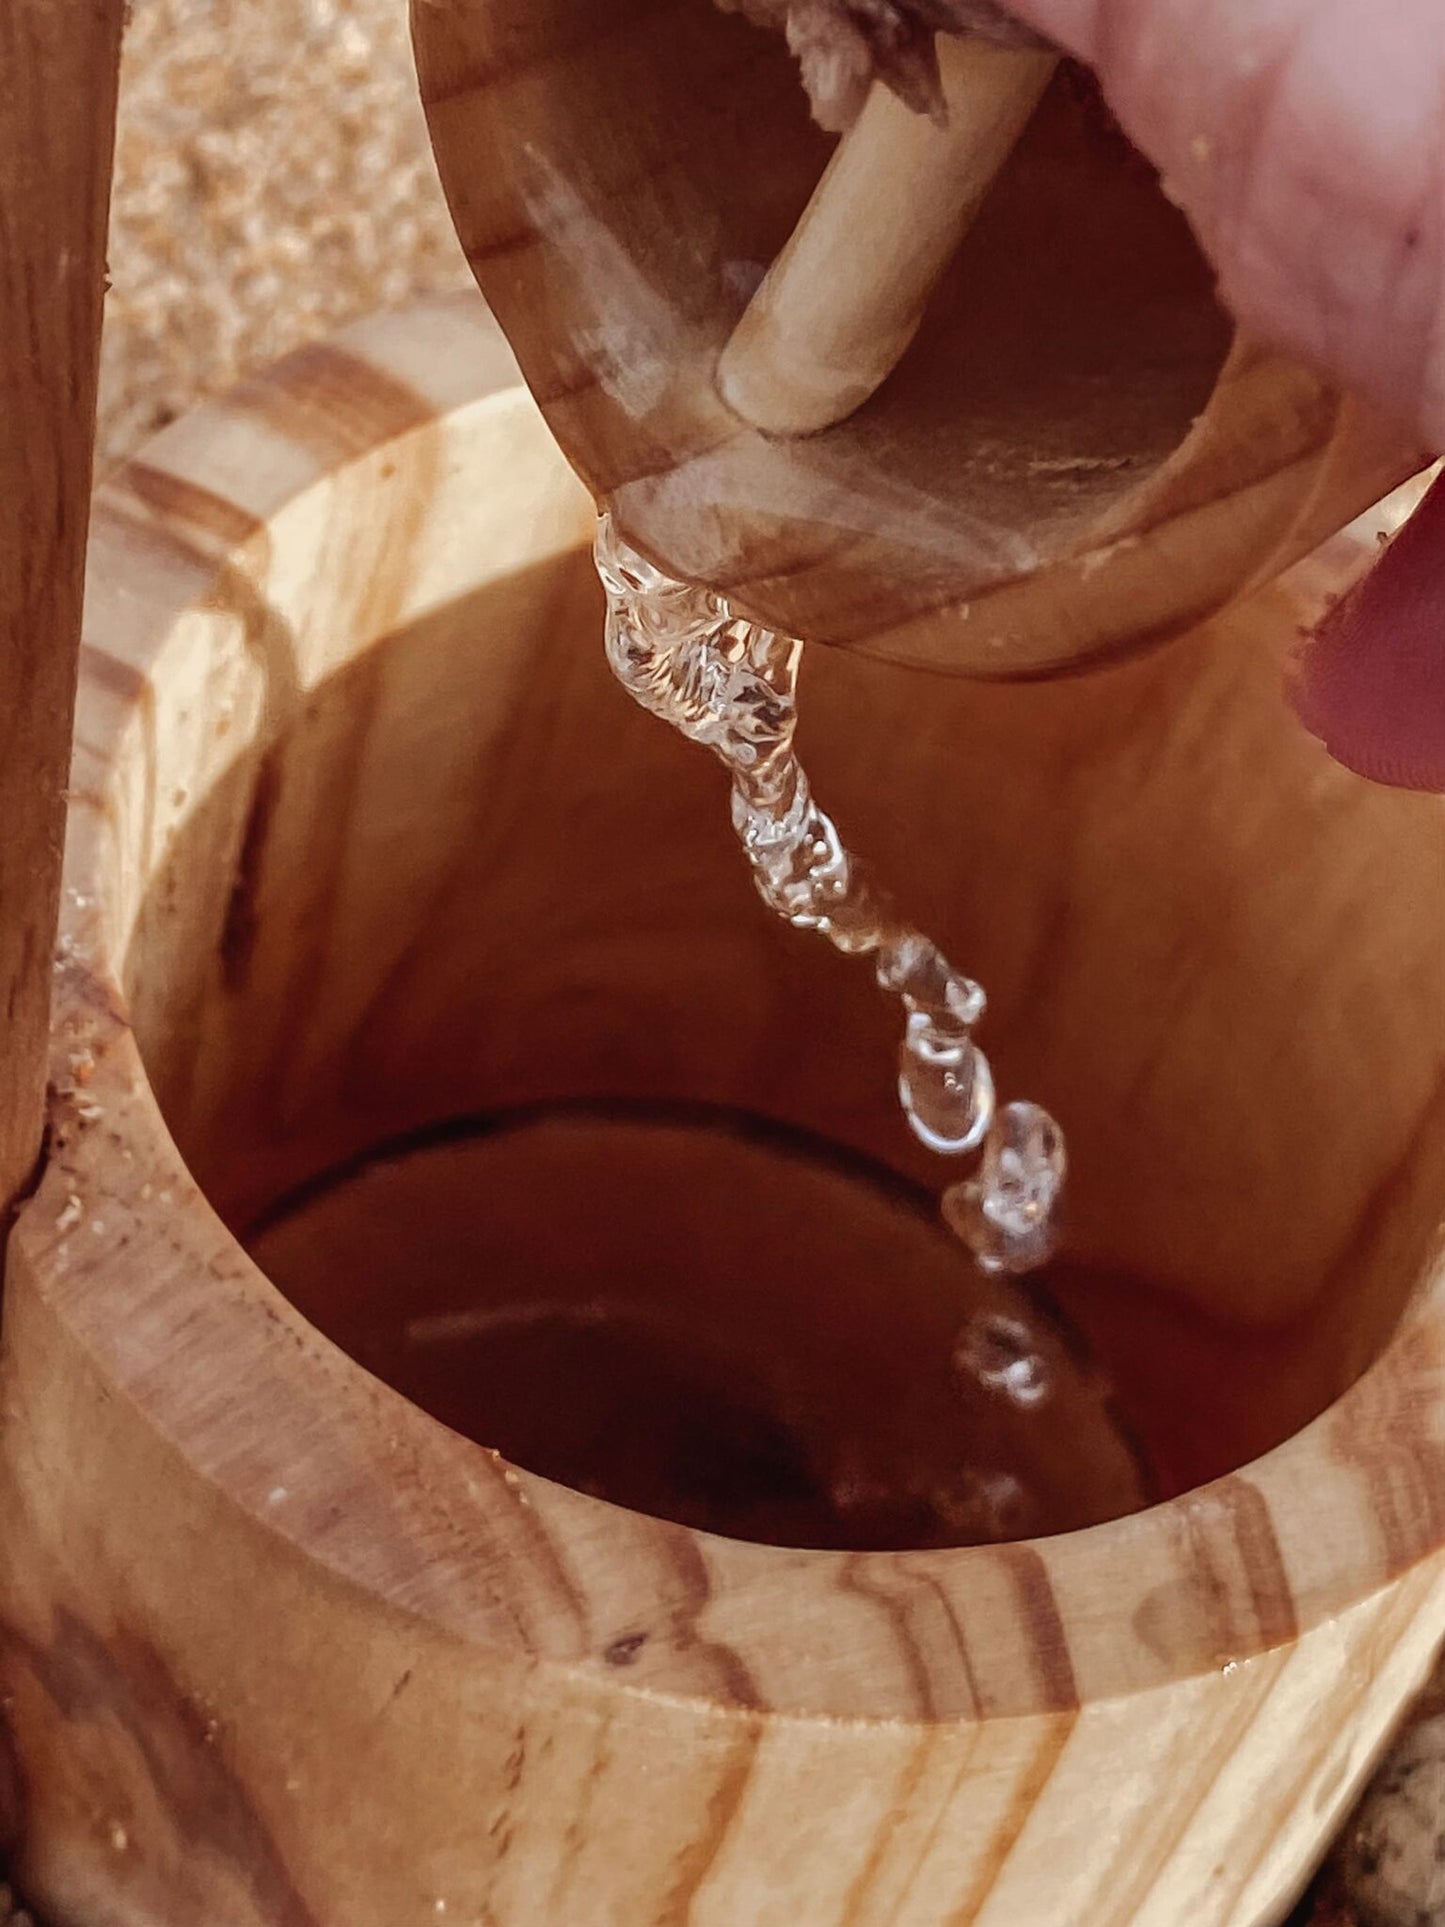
x,y
401,956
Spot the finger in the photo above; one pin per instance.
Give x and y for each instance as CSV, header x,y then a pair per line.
x,y
1306,141
1371,684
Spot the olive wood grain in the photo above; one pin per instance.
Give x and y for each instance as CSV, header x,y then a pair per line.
x,y
364,845
57,126
1072,459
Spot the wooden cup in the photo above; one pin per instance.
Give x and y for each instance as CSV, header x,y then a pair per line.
x,y
1076,456
402,954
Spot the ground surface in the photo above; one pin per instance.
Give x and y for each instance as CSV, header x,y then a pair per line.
x,y
273,182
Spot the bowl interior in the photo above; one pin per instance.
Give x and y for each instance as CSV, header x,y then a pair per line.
x,y
452,988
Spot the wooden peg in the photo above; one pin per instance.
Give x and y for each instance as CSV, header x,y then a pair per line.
x,y
838,308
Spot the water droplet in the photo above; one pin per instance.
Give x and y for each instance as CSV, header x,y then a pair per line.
x,y
806,878
916,970
1007,1213
945,1087
983,1508
1000,1354
623,571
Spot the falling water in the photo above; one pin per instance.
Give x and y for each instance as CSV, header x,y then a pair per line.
x,y
731,685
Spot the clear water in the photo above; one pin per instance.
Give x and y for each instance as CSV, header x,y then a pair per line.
x,y
731,685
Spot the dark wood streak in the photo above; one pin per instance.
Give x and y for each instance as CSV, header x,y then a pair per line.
x,y
1039,1615
186,504
241,923
382,572
579,1830
729,1679
132,524
887,1832
1402,1466
270,642
120,679
534,1551
948,1814
856,1575
1057,1687
501,1830
698,1858
332,403
1275,1619
995,1856
955,1626
122,1682
311,942
1230,1597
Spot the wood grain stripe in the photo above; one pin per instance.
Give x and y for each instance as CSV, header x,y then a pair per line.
x,y
1039,1614
186,504
335,404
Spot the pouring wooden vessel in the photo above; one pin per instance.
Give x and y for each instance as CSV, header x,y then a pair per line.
x,y
1074,458
364,846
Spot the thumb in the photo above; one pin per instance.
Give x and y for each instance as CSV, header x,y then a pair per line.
x,y
1302,138
1370,683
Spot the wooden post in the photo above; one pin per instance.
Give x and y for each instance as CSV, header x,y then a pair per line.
x,y
57,125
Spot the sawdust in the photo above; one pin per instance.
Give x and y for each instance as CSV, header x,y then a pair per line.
x,y
273,182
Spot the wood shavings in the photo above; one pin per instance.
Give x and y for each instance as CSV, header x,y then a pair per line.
x,y
273,182
1392,1860
1387,1869
842,46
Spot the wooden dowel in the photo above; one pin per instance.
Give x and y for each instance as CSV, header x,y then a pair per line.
x,y
57,128
839,306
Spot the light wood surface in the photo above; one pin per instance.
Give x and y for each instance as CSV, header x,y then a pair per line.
x,y
57,125
1073,459
366,855
839,307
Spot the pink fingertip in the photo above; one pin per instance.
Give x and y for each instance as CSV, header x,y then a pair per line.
x,y
1369,684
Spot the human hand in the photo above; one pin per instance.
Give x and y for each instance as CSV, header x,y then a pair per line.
x,y
1305,140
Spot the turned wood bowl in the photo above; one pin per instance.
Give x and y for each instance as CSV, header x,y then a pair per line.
x,y
472,1220
1076,457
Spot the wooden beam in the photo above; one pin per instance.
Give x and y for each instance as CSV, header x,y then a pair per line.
x,y
60,60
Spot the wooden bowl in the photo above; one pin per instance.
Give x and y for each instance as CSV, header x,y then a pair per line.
x,y
1075,458
403,956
